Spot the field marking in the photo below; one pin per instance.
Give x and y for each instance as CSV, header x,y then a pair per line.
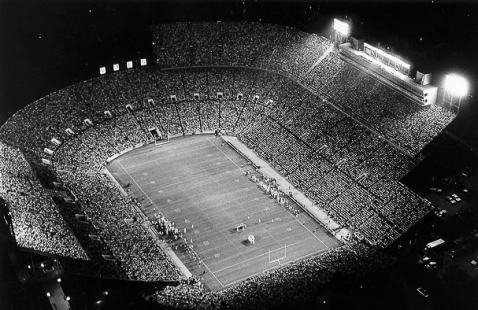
x,y
278,211
207,138
294,243
137,184
240,168
217,228
232,161
198,177
279,206
303,225
143,152
274,267
248,208
142,163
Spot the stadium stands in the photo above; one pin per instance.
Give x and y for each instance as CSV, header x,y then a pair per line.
x,y
264,83
37,222
342,151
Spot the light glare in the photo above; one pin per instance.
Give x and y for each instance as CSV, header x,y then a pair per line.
x,y
457,85
341,27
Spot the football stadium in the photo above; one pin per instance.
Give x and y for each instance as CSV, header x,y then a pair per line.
x,y
244,165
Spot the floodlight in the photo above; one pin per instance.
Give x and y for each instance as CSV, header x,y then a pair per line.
x,y
103,70
456,85
129,64
116,67
341,27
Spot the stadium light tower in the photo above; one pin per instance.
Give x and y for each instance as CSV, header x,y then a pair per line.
x,y
456,87
342,31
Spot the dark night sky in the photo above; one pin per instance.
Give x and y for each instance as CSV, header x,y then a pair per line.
x,y
45,45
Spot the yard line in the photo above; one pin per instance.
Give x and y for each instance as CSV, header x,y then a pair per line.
x,y
226,155
233,210
142,163
308,229
213,274
267,253
137,184
240,168
287,212
275,267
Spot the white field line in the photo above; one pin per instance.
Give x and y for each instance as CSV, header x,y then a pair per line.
x,y
136,184
255,257
226,155
142,163
274,267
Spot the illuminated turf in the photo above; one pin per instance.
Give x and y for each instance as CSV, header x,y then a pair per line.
x,y
199,180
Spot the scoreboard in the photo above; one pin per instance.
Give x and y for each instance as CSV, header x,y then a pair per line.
x,y
390,70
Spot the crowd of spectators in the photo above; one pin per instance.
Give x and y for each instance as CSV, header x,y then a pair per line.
x,y
89,238
293,53
319,148
294,282
338,169
97,122
36,220
347,169
111,214
272,47
396,117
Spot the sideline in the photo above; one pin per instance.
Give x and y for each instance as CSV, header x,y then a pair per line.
x,y
166,249
295,200
308,205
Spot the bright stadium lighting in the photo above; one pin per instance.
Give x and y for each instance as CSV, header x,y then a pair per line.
x,y
456,85
341,27
390,57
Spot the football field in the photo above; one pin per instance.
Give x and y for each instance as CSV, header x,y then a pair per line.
x,y
199,183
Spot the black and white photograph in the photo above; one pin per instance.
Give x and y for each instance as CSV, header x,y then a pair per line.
x,y
223,154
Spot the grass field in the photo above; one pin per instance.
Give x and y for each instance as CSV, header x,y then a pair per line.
x,y
199,181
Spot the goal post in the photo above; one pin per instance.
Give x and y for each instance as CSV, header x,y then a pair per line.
x,y
283,253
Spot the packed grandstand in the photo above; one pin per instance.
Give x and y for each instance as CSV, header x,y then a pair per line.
x,y
338,134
